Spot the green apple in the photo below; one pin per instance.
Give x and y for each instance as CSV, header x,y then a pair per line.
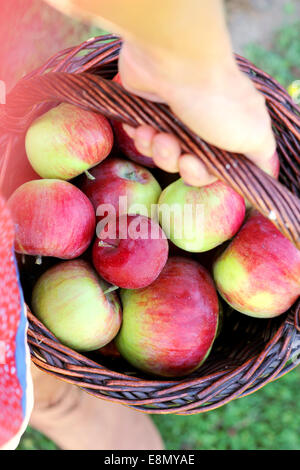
x,y
70,299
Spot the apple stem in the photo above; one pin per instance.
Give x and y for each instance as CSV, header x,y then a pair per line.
x,y
110,289
89,175
131,175
38,260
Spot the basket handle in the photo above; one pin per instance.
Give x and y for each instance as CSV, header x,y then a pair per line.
x,y
94,93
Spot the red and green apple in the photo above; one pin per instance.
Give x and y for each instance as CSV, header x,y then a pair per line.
x,y
71,301
117,178
52,218
200,219
258,274
169,327
133,255
67,141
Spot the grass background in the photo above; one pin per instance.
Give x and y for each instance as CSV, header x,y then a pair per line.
x,y
270,418
282,59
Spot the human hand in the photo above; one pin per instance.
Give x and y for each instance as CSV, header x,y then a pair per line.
x,y
219,103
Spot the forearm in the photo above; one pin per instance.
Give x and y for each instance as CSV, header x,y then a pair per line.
x,y
179,52
186,30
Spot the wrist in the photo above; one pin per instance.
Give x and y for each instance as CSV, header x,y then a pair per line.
x,y
175,68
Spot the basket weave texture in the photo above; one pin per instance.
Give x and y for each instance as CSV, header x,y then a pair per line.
x,y
249,352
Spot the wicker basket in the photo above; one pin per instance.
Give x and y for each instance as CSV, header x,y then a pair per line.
x,y
249,352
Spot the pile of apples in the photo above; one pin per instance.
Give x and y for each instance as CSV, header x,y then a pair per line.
x,y
155,299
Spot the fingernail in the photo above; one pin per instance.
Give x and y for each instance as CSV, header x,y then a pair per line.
x,y
129,130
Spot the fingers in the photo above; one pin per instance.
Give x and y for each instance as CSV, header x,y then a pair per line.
x,y
222,106
262,147
230,114
267,162
193,171
143,139
166,153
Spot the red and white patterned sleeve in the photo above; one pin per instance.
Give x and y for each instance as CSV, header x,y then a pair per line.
x,y
16,396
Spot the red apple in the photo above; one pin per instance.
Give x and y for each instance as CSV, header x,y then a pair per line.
x,y
134,256
126,143
117,178
110,351
67,141
169,327
72,302
52,218
259,272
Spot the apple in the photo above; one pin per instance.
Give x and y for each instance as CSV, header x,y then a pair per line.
x,y
126,144
169,327
52,218
117,178
134,255
258,274
67,141
110,351
199,219
70,299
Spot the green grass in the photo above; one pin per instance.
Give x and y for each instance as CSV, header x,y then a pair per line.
x,y
282,60
267,420
34,440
